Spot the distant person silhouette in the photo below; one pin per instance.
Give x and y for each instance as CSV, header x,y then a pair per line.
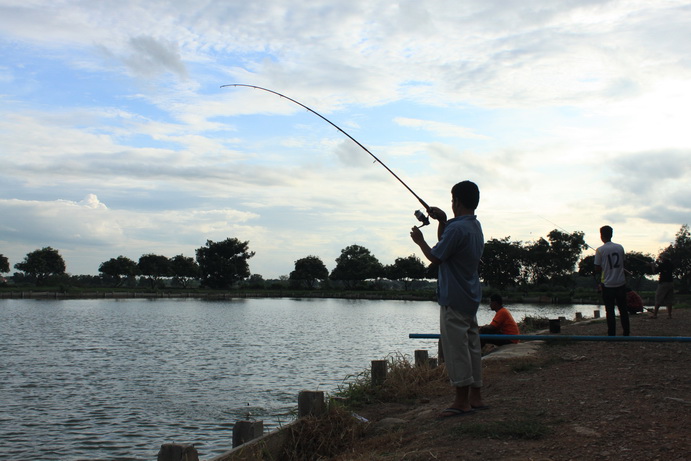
x,y
609,260
664,295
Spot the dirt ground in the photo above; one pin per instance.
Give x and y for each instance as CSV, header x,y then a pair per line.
x,y
575,401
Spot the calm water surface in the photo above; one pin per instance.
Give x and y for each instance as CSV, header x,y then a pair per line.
x,y
115,379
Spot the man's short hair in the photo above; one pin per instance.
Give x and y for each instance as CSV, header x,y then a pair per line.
x,y
606,231
467,193
497,298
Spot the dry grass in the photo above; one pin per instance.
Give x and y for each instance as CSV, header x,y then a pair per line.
x,y
533,324
322,437
404,382
327,436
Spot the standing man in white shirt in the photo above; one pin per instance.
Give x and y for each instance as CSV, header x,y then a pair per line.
x,y
609,260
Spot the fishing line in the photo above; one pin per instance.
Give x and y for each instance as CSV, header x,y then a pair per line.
x,y
555,224
628,255
584,242
418,214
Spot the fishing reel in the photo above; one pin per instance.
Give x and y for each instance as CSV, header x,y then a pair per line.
x,y
422,218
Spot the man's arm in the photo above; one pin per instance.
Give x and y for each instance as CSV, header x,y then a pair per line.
x,y
440,216
598,267
416,235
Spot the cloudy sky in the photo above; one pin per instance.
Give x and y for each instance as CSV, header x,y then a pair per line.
x,y
116,138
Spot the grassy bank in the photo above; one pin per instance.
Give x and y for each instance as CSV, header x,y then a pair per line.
x,y
543,406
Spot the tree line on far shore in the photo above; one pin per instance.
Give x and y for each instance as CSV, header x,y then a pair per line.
x,y
551,261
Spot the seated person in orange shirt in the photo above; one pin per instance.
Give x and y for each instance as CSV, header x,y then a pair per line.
x,y
502,323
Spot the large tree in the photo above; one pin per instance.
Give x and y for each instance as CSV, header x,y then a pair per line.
x,y
41,264
154,267
586,266
222,264
4,264
406,270
534,267
680,252
565,250
356,264
308,271
501,262
553,260
184,269
119,269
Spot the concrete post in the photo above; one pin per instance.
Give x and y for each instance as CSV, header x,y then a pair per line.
x,y
379,370
554,326
244,431
177,452
311,403
421,358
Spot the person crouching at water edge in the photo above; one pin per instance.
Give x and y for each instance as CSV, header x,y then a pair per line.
x,y
458,254
502,323
634,302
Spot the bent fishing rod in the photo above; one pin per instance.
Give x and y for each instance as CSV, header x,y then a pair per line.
x,y
418,214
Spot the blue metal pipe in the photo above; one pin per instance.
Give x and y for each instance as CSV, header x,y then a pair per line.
x,y
646,339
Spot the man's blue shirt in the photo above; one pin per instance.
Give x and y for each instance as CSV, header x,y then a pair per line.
x,y
460,250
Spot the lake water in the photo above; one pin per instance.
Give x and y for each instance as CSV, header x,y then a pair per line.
x,y
115,379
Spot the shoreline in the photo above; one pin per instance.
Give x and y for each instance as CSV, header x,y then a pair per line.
x,y
386,295
413,420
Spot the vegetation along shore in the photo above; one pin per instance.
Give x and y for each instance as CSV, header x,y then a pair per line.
x,y
555,264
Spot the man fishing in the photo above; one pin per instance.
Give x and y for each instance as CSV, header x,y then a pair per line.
x,y
458,254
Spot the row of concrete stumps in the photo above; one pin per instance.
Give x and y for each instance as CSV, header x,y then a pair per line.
x,y
245,431
555,324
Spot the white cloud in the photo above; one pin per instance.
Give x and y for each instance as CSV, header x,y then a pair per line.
x,y
150,56
439,128
87,222
571,111
91,201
